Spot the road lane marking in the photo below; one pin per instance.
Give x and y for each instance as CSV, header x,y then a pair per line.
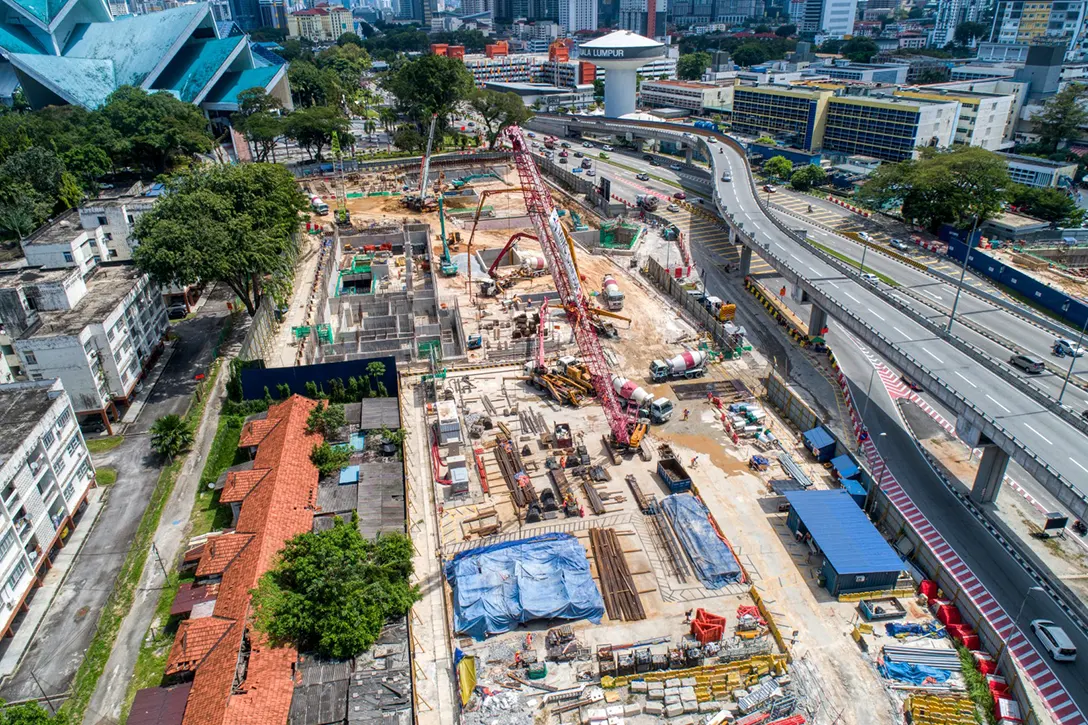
x,y
1077,464
998,403
874,314
965,379
900,331
855,299
927,352
834,285
936,297
1029,427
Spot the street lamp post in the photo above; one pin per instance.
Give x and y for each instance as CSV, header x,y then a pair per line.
x,y
864,249
875,483
1027,595
1073,359
963,273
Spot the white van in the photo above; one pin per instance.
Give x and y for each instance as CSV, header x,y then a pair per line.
x,y
1054,640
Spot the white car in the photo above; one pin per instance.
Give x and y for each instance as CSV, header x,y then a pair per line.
x,y
674,167
711,139
606,147
864,237
591,172
587,145
1054,640
673,207
870,278
1067,348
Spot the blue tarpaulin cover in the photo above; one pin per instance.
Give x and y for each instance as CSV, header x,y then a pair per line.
x,y
715,564
844,466
903,629
914,674
498,587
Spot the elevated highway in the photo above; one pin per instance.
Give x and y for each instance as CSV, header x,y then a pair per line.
x,y
995,409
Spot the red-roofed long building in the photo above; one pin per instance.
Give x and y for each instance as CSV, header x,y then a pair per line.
x,y
237,677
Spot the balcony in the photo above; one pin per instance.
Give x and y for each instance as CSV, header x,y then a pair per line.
x,y
8,495
23,526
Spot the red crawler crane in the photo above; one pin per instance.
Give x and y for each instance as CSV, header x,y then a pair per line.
x,y
538,203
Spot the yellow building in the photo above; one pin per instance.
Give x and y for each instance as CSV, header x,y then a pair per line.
x,y
320,24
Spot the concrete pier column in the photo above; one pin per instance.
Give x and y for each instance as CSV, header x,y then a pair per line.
x,y
745,260
817,320
991,472
688,154
732,235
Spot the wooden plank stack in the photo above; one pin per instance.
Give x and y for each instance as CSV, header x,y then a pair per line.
x,y
621,599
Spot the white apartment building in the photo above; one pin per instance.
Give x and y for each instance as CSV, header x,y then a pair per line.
x,y
689,95
984,119
951,13
98,335
64,243
116,215
575,15
832,18
45,473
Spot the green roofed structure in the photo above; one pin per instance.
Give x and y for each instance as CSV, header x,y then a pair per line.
x,y
76,52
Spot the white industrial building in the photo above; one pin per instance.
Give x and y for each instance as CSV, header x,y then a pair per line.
x,y
97,334
45,474
688,95
114,214
832,18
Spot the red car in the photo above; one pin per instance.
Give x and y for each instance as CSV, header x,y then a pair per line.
x,y
679,195
563,154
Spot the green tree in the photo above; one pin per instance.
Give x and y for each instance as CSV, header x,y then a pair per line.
x,y
260,120
499,111
408,138
808,176
44,172
331,592
958,186
762,29
232,224
155,129
326,419
313,86
785,31
859,49
832,46
350,38
30,713
778,167
691,67
750,54
967,32
348,62
932,75
431,84
87,163
328,459
1062,116
598,88
1052,205
313,127
171,435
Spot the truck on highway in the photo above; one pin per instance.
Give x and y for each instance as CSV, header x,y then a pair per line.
x,y
658,410
610,291
688,364
672,471
649,202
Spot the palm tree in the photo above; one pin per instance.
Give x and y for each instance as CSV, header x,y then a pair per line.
x,y
171,435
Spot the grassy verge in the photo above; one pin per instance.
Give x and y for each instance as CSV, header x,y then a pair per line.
x,y
612,162
124,591
104,445
854,263
207,516
977,688
105,476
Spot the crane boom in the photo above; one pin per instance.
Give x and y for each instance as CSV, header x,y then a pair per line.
x,y
426,169
540,334
538,203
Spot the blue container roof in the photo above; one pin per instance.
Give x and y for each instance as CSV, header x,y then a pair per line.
x,y
818,438
844,465
853,487
842,531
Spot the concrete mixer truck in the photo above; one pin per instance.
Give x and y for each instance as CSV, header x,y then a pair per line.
x,y
658,410
688,364
611,293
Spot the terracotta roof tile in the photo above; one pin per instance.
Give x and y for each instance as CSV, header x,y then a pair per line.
x,y
240,483
256,431
219,552
278,509
195,639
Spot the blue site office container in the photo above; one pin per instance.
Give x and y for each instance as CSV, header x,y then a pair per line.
x,y
819,443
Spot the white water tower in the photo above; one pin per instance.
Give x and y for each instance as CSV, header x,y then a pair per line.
x,y
621,54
